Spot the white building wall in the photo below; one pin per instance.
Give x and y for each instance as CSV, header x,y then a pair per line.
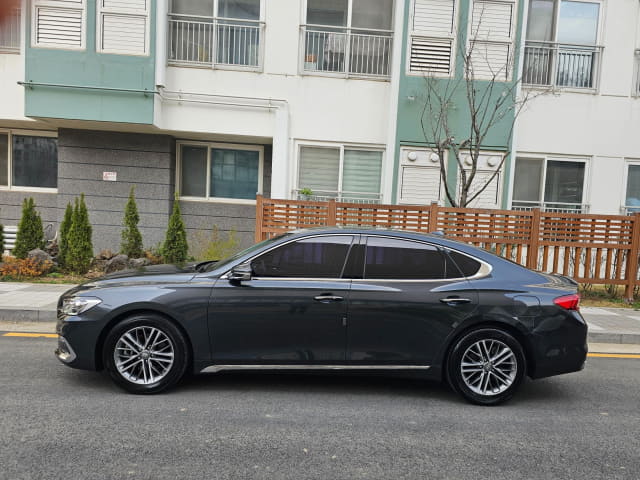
x,y
603,126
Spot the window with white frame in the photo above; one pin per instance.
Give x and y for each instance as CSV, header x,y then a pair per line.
x,y
28,161
216,32
485,190
561,46
10,32
432,37
419,179
632,193
341,172
636,74
349,37
123,27
58,24
492,39
219,171
552,184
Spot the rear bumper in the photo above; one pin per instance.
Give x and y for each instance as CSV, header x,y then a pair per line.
x,y
559,345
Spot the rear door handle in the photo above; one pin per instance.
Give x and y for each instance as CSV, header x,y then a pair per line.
x,y
454,300
328,298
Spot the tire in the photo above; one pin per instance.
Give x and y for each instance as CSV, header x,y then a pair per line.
x,y
145,354
486,366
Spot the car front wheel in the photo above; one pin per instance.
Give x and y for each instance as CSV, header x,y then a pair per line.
x,y
486,366
145,354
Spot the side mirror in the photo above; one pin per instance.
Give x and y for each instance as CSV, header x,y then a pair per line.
x,y
240,273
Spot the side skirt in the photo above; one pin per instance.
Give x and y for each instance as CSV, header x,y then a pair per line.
x,y
218,368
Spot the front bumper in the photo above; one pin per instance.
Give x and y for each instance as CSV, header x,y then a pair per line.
x,y
79,339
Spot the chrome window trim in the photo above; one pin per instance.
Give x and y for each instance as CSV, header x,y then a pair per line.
x,y
218,368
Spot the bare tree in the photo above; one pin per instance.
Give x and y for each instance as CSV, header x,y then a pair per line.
x,y
488,101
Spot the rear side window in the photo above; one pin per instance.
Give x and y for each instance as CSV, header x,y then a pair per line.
x,y
388,258
316,257
462,265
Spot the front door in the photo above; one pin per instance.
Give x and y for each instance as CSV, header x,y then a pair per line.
x,y
292,311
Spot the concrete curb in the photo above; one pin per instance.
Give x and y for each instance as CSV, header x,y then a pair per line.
x,y
613,337
21,315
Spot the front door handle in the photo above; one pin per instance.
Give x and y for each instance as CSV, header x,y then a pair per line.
x,y
454,301
327,298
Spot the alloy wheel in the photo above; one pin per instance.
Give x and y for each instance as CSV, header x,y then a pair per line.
x,y
143,355
488,367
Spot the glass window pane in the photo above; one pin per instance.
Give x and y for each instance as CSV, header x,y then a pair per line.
x,y
193,171
361,172
633,186
193,7
376,14
540,21
327,12
319,170
564,182
4,159
401,259
526,184
234,173
578,22
321,257
243,9
462,265
35,162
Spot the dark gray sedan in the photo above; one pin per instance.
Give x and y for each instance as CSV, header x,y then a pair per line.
x,y
331,299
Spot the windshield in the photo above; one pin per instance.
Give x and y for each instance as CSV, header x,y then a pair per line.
x,y
246,251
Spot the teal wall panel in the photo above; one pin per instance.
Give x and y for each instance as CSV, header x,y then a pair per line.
x,y
89,68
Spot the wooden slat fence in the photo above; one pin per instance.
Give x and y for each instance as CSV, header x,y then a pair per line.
x,y
596,249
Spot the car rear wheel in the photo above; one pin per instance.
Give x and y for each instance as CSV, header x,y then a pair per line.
x,y
145,354
486,366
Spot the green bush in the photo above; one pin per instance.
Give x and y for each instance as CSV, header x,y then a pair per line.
x,y
80,247
63,240
30,232
175,247
213,246
131,237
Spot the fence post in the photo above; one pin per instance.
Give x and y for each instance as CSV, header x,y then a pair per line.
x,y
331,212
433,217
259,218
631,274
534,240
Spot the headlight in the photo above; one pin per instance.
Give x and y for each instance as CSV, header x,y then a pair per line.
x,y
78,305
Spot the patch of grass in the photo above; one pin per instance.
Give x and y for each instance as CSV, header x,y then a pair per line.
x,y
606,296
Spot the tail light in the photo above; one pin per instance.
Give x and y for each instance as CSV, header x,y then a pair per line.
x,y
568,302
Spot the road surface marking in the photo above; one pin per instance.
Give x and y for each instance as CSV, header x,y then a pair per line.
x,y
19,334
598,311
613,355
593,326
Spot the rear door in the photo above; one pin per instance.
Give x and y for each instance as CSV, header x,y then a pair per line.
x,y
409,298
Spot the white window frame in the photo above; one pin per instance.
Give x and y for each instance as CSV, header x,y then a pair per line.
x,y
484,167
433,165
29,133
222,66
635,87
411,33
545,158
101,11
510,42
210,146
342,147
60,5
628,162
348,28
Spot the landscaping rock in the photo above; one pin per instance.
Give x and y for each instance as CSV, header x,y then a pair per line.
x,y
138,262
40,255
119,262
105,254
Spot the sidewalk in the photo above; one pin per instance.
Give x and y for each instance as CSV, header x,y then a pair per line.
x,y
36,302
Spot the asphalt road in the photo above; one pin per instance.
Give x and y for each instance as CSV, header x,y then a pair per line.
x,y
61,423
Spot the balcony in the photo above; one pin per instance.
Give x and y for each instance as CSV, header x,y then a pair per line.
x,y
346,52
347,197
215,42
556,207
561,65
10,33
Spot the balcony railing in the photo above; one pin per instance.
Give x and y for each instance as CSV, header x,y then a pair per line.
x,y
10,33
561,65
557,207
348,197
636,76
209,41
347,51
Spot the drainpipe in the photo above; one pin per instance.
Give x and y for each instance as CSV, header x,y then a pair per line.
x,y
162,10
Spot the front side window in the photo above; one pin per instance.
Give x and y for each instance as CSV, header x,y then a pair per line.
x,y
632,197
28,161
220,171
347,174
348,36
561,47
550,184
317,257
216,32
394,259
